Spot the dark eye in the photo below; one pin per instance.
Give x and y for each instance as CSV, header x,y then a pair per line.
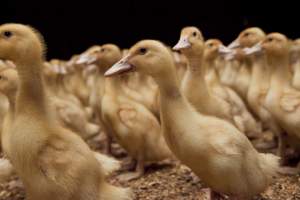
x,y
210,45
270,39
195,34
143,51
102,50
7,34
1,77
247,34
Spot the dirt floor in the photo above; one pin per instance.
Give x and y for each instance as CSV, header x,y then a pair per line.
x,y
167,181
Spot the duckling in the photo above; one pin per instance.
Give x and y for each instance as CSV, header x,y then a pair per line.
x,y
92,56
295,63
135,128
211,147
238,107
192,46
52,162
282,100
246,38
258,88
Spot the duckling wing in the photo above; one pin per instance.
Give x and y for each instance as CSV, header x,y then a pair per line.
x,y
290,101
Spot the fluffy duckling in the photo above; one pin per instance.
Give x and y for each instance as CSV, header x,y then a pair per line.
x,y
211,147
135,128
282,100
192,46
52,162
238,108
258,88
246,38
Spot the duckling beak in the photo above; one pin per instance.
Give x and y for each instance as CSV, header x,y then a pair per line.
x,y
86,59
120,67
224,50
183,43
234,44
254,49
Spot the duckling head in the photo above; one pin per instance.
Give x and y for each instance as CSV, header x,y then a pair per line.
x,y
191,42
21,44
108,55
276,45
248,38
211,49
8,81
149,57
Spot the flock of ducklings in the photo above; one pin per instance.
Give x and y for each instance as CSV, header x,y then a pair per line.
x,y
202,104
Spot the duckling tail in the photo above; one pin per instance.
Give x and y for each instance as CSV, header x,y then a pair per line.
x,y
110,192
270,165
108,164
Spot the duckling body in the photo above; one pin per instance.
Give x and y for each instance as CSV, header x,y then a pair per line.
x,y
211,147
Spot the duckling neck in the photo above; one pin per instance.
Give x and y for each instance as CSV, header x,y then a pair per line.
x,y
113,85
260,71
281,74
31,95
195,78
210,66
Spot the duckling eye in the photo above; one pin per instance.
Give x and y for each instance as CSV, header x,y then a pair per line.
x,y
270,39
194,33
246,34
7,34
143,51
102,50
210,45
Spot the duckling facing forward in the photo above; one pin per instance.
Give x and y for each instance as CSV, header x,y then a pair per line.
x,y
214,149
52,162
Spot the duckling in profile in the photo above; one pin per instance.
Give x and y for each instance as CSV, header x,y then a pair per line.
x,y
211,147
135,128
247,38
227,106
52,162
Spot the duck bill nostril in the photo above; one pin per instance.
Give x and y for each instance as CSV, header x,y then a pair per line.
x,y
183,43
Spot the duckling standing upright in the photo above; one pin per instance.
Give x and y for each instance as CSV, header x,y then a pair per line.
x,y
214,149
198,92
134,126
52,162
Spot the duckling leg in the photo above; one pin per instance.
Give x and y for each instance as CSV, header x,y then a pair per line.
x,y
281,148
139,170
214,195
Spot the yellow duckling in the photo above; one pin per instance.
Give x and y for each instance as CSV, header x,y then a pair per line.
x,y
214,149
258,88
194,85
238,108
135,128
246,38
282,100
52,162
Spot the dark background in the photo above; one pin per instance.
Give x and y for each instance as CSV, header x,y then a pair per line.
x,y
69,27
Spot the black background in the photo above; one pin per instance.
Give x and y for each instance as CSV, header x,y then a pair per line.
x,y
69,27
